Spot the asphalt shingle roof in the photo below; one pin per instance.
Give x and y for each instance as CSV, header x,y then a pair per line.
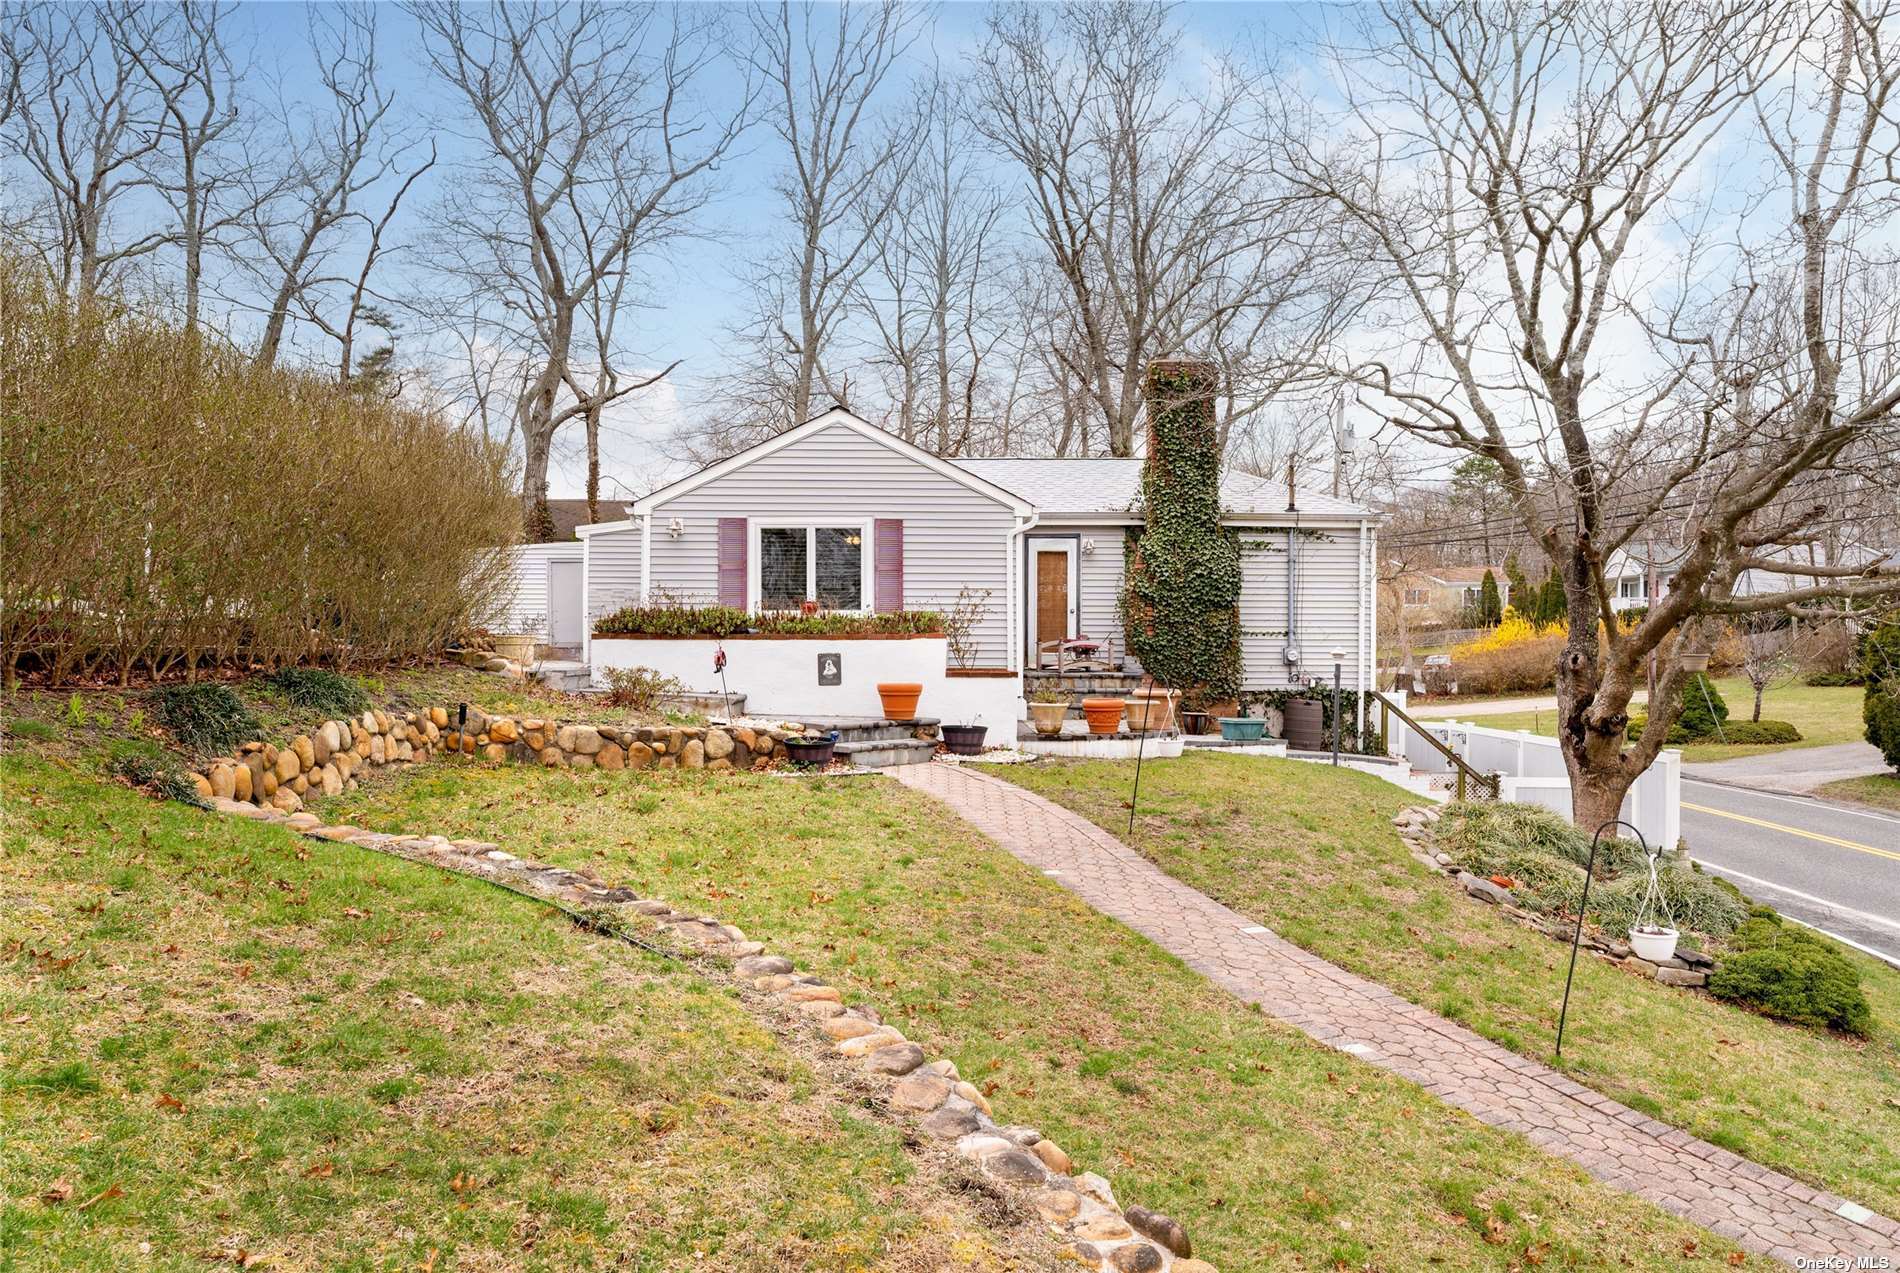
x,y
1113,486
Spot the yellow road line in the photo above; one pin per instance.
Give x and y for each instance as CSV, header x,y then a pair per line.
x,y
1807,835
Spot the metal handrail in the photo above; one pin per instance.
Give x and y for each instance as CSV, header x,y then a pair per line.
x,y
1388,709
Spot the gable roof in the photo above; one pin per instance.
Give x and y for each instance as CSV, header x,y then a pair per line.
x,y
837,417
1112,488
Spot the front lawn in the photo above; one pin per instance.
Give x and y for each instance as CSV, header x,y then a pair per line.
x,y
1275,1151
1311,853
1882,791
1823,713
225,1043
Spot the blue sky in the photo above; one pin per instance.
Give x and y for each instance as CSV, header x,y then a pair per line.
x,y
698,299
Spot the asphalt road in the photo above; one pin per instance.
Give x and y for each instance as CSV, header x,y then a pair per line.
x,y
1830,865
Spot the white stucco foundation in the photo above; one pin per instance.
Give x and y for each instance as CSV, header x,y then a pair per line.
x,y
780,676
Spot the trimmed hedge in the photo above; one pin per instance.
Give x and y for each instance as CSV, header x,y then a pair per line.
x,y
724,621
1835,680
1793,974
1736,732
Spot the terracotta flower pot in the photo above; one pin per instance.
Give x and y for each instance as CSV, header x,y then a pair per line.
x,y
1105,714
1048,717
900,698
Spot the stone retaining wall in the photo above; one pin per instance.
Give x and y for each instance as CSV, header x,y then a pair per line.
x,y
328,759
1079,1207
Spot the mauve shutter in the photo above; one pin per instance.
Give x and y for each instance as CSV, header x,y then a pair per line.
x,y
732,562
890,564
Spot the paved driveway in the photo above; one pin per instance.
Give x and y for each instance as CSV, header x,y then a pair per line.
x,y
1797,769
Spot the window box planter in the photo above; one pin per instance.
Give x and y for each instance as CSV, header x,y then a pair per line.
x,y
1243,729
900,698
1104,714
812,752
964,740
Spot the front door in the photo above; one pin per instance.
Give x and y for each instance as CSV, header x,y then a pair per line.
x,y
1052,600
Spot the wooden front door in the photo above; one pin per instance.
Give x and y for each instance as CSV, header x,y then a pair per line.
x,y
1052,600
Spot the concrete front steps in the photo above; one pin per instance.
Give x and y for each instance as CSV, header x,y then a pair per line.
x,y
869,742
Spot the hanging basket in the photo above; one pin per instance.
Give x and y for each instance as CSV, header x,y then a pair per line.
x,y
1653,936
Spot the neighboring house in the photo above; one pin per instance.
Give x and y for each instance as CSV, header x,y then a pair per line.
x,y
1757,582
1442,594
1639,574
841,513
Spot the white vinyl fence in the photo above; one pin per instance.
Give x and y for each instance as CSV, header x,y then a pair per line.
x,y
1532,772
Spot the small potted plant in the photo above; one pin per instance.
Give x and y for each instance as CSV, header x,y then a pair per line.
x,y
1104,714
1151,709
811,752
518,646
900,698
1654,942
1047,710
964,740
1194,722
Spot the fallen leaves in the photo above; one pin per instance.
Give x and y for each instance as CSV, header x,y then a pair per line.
x,y
320,1171
167,1101
61,1191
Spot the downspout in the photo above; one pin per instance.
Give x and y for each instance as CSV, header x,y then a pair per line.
x,y
646,558
1365,638
1014,577
587,602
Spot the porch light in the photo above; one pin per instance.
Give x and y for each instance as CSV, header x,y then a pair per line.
x,y
1088,546
675,528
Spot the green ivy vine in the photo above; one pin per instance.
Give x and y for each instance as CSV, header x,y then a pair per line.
x,y
1181,600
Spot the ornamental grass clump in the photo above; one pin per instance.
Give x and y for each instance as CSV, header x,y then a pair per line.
x,y
319,690
206,717
1544,856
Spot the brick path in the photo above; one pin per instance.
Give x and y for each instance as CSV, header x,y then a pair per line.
x,y
1761,1209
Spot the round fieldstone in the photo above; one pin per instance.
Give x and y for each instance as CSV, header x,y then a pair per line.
x,y
1052,1156
920,1093
1136,1257
223,782
762,965
1016,1166
288,766
612,756
306,751
865,1044
899,1058
951,1122
840,1028
1107,1227
821,1008
1056,1205
807,994
1164,1229
718,744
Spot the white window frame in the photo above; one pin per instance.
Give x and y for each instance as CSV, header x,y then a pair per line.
x,y
867,557
1629,588
1418,596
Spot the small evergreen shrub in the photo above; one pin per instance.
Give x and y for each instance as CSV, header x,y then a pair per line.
x,y
1703,708
1835,680
319,690
1791,973
206,717
1761,731
1880,708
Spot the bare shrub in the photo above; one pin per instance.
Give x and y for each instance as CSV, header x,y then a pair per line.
x,y
169,505
639,688
1518,668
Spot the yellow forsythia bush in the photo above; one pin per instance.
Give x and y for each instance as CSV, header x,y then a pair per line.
x,y
1515,657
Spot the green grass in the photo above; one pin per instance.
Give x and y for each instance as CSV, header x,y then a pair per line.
x,y
1275,1151
1823,714
1882,791
219,1036
1311,853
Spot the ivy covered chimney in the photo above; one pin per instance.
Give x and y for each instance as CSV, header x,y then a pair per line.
x,y
1181,601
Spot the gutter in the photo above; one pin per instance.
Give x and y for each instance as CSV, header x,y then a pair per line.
x,y
1013,577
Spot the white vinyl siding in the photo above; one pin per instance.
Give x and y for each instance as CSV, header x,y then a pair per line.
x,y
953,536
613,570
1099,608
525,608
1329,606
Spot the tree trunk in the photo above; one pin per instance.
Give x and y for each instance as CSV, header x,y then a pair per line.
x,y
537,522
593,463
1759,688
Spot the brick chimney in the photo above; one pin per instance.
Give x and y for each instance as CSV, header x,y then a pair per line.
x,y
1162,389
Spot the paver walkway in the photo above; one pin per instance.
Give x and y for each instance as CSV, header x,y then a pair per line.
x,y
1759,1208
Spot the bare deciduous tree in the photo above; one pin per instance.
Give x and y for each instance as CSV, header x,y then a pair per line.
x,y
1510,168
1154,203
589,151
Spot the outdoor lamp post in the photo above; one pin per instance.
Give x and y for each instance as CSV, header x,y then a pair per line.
x,y
1339,661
